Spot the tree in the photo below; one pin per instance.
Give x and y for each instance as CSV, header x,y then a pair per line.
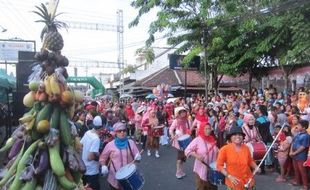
x,y
236,37
146,53
183,22
278,36
129,69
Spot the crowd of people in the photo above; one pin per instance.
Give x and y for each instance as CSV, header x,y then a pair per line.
x,y
228,135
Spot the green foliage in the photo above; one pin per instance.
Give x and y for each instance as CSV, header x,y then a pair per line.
x,y
240,36
129,69
147,53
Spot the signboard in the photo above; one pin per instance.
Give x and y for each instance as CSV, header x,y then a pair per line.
x,y
175,62
9,49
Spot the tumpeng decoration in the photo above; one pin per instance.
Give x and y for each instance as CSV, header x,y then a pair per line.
x,y
44,151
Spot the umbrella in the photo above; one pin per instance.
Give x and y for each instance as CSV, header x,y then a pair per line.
x,y
170,95
107,97
125,96
172,100
150,96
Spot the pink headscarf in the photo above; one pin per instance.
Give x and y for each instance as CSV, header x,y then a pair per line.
x,y
147,114
247,117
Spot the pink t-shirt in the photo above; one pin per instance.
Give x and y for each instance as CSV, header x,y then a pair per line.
x,y
177,129
251,135
119,158
207,150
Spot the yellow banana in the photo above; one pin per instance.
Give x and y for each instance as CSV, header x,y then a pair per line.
x,y
54,85
27,118
30,124
47,85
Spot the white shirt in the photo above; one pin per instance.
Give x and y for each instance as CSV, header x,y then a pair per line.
x,y
306,114
91,143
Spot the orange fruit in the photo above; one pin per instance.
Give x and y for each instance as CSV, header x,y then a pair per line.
x,y
43,126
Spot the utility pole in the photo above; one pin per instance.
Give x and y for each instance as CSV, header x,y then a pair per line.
x,y
120,47
204,43
119,28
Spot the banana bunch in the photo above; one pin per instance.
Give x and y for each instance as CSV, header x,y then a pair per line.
x,y
27,118
34,147
52,85
47,85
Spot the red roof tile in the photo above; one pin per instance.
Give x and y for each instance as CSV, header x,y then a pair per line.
x,y
173,78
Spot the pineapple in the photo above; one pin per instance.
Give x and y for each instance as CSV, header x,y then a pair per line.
x,y
52,39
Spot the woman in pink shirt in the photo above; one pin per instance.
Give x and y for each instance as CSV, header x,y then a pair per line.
x,y
249,129
204,149
201,117
118,153
152,139
180,126
138,126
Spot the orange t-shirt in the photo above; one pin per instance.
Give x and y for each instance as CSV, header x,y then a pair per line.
x,y
238,164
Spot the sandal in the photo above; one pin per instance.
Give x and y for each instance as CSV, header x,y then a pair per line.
x,y
294,183
280,179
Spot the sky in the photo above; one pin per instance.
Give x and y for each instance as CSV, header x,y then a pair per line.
x,y
17,18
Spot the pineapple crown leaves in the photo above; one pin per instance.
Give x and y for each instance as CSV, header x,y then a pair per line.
x,y
51,24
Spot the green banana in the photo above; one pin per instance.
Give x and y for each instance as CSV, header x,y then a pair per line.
x,y
30,185
65,129
77,176
9,143
55,118
16,185
56,161
66,184
12,169
44,113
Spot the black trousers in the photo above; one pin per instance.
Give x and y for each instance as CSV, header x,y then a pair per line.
x,y
92,180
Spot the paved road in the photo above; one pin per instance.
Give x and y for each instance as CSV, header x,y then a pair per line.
x,y
159,173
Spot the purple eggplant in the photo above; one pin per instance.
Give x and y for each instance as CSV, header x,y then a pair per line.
x,y
15,148
42,163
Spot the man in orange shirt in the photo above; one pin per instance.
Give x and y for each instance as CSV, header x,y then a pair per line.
x,y
238,160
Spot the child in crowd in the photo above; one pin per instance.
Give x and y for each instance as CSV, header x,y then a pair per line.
x,y
298,152
284,143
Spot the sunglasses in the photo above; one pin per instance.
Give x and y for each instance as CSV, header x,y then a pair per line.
x,y
124,131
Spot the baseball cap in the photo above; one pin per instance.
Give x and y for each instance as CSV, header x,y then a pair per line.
x,y
97,122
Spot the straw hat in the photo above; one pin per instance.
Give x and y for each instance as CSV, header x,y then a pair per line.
x,y
140,110
178,110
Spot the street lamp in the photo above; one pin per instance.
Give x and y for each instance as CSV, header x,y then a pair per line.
x,y
3,29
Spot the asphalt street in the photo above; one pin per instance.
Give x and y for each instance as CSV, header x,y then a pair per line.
x,y
159,174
